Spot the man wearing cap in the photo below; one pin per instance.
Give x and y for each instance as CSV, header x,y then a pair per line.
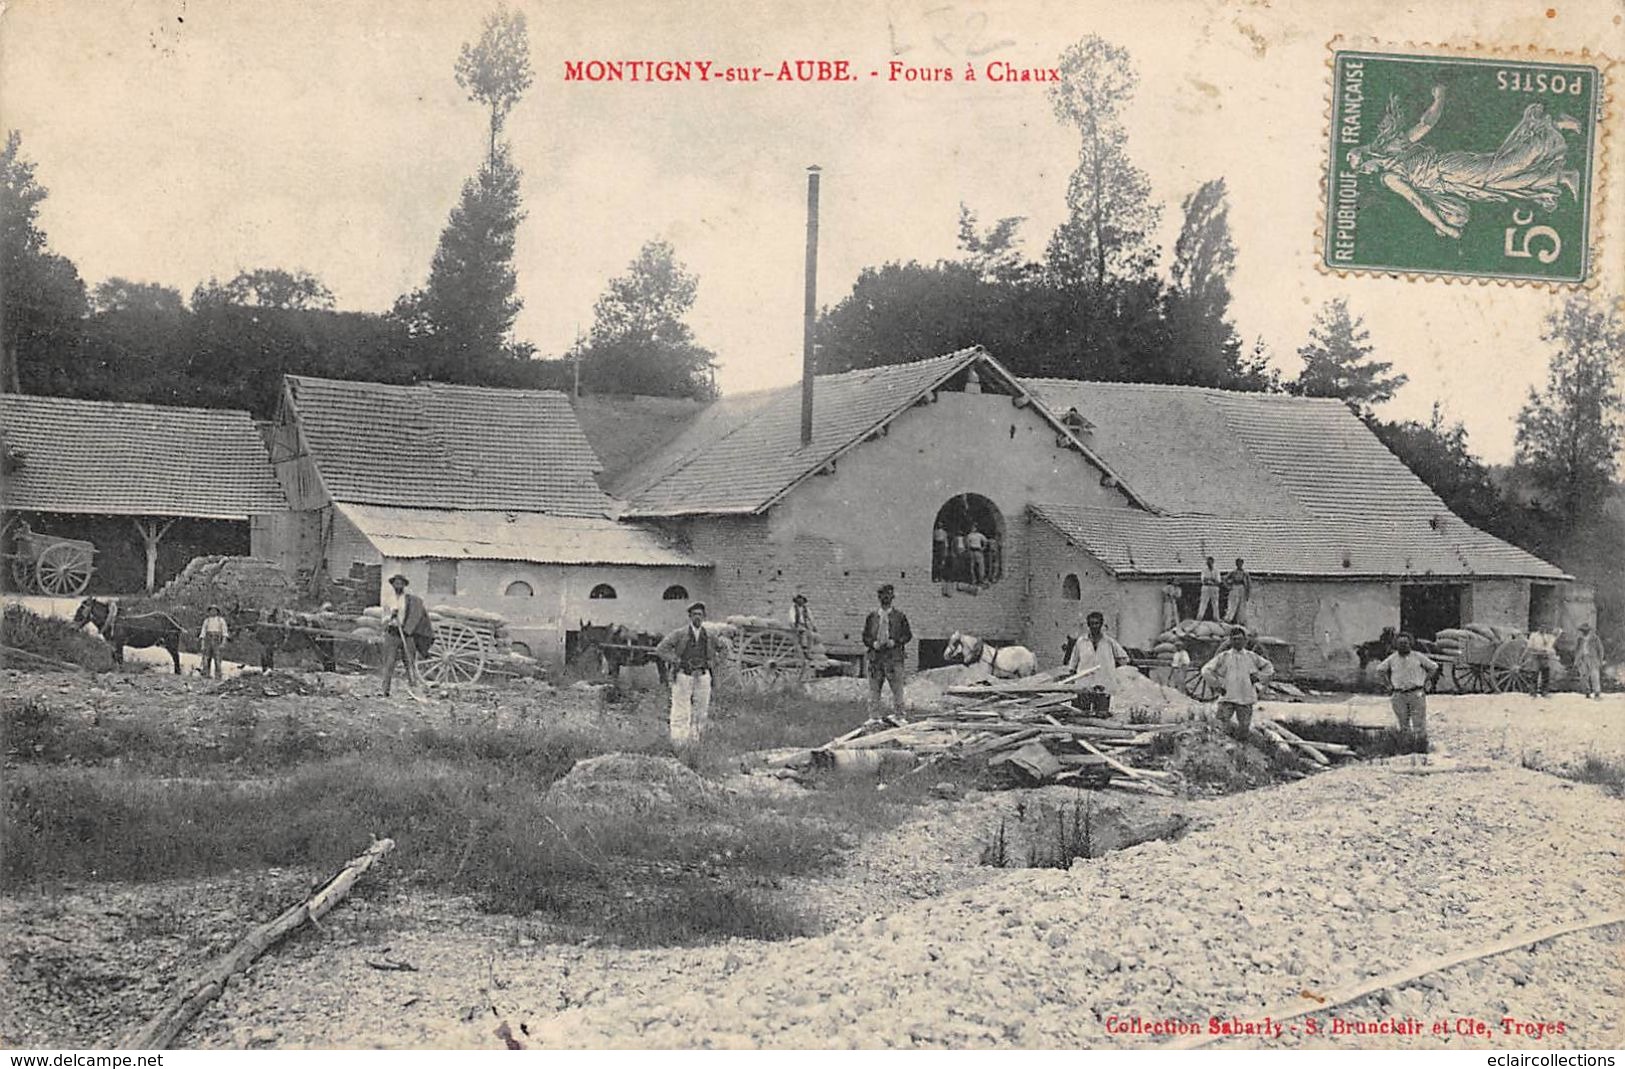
x,y
691,651
886,635
1409,674
212,638
1588,661
1235,672
408,620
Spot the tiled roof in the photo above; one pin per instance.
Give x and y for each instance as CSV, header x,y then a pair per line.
x,y
744,452
1133,542
441,446
103,458
516,536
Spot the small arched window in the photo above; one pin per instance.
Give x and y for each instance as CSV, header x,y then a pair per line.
x,y
675,592
518,589
602,592
521,648
1070,591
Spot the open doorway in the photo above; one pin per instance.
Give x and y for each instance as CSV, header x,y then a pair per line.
x,y
968,541
1545,607
1425,609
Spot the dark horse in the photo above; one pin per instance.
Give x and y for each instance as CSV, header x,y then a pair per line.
x,y
131,629
279,630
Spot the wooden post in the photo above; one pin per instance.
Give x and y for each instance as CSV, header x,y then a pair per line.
x,y
151,534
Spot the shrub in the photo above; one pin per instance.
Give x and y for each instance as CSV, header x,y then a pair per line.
x,y
51,638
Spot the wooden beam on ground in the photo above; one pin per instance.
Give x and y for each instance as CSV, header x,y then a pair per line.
x,y
161,1030
1350,993
1307,747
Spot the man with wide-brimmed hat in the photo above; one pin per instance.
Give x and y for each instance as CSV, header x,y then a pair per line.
x,y
1588,657
212,639
408,634
693,654
886,635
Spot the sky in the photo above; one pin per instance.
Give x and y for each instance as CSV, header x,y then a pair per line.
x,y
183,140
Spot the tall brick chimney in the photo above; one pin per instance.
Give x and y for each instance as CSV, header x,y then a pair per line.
x,y
810,316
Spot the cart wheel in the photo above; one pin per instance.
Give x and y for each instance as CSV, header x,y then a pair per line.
x,y
22,575
769,659
62,570
457,656
1512,667
1198,687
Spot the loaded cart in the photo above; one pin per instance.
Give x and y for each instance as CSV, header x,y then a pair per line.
x,y
468,644
50,564
769,653
1485,659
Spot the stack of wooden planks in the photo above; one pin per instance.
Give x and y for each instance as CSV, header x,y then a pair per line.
x,y
1028,724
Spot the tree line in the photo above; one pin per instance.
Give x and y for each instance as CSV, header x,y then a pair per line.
x,y
230,342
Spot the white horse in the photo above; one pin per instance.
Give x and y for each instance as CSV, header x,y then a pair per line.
x,y
1005,662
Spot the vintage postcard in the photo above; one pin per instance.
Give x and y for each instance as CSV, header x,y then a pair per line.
x,y
538,525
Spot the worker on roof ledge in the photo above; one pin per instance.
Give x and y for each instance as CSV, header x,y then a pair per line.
x,y
1241,589
1210,591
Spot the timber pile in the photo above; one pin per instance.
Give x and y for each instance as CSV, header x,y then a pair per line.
x,y
1028,725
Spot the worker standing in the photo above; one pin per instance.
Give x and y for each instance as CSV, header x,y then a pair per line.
x,y
409,633
1241,589
976,549
1543,644
886,635
939,552
691,651
1101,652
1210,591
1588,658
1236,672
1170,605
212,639
1409,674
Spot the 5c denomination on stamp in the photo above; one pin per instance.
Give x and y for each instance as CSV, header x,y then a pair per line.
x,y
1465,166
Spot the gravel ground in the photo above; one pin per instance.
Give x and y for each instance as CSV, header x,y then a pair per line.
x,y
1273,898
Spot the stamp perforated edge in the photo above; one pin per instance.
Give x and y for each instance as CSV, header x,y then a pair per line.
x,y
1478,50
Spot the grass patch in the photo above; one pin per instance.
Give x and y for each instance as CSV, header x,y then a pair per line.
x,y
112,796
1603,772
56,640
1367,742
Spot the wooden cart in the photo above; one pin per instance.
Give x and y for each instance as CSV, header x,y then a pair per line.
x,y
462,652
1202,650
1490,665
768,657
50,564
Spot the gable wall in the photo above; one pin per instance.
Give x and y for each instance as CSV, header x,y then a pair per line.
x,y
839,536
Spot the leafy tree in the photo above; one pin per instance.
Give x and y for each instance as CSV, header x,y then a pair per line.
x,y
902,312
1108,233
1337,361
1569,434
470,302
994,254
639,342
265,287
495,70
43,298
1199,301
119,294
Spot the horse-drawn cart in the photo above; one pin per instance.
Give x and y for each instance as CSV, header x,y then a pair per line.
x,y
50,564
466,647
1203,649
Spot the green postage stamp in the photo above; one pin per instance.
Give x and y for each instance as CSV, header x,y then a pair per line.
x,y
1443,165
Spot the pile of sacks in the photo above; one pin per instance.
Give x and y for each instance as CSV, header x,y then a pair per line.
x,y
1454,641
230,582
1180,634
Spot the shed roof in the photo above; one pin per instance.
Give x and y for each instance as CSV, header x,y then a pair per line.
x,y
443,446
1132,542
743,453
517,536
107,458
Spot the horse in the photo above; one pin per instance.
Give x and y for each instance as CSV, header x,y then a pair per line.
x,y
278,629
635,648
1005,662
122,629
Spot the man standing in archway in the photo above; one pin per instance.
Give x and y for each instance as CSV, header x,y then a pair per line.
x,y
886,635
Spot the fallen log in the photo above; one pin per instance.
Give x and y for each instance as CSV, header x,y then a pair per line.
x,y
1307,747
30,659
1350,993
161,1030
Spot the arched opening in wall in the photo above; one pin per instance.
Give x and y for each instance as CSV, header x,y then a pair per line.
x,y
518,589
521,648
1070,590
602,592
968,541
675,592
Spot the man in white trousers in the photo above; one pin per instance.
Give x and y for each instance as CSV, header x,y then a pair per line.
x,y
692,653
